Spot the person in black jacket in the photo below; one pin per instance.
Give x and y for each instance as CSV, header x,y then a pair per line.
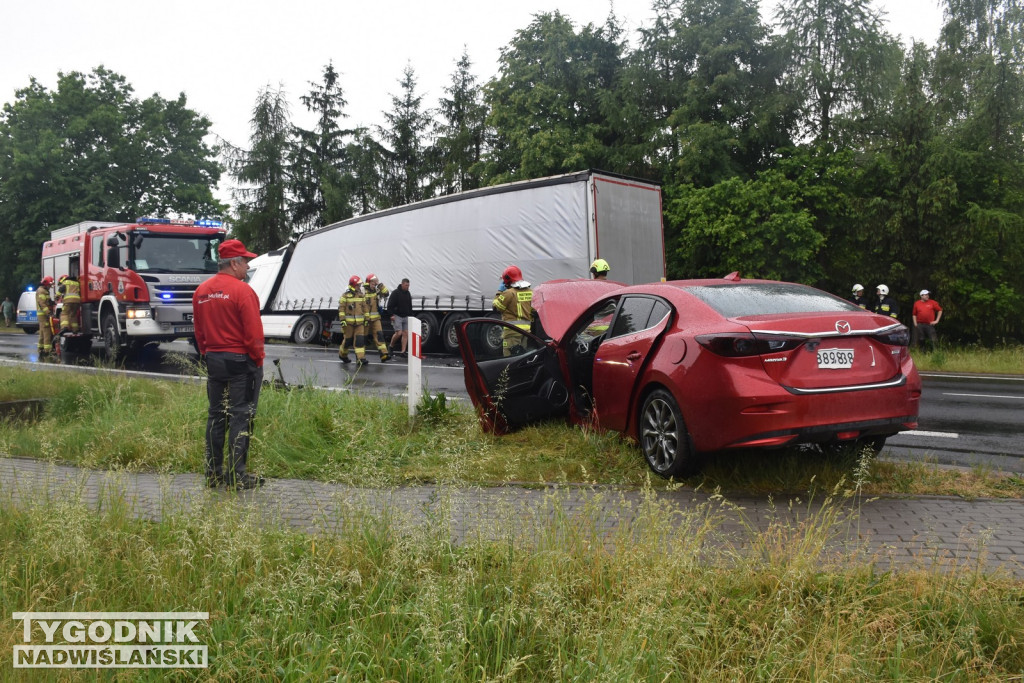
x,y
400,308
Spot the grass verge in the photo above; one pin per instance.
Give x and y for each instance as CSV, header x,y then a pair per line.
x,y
113,422
549,597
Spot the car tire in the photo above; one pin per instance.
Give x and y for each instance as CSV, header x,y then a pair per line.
x,y
111,338
31,330
307,330
664,441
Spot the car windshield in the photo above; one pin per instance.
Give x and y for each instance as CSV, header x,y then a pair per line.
x,y
768,298
175,254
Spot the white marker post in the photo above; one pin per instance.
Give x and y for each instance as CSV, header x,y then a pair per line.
x,y
415,365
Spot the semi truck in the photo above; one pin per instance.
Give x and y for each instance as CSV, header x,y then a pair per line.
x,y
136,279
453,250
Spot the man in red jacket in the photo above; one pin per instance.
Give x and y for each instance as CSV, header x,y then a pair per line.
x,y
229,334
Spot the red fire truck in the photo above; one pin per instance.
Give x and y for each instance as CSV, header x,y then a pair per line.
x,y
136,279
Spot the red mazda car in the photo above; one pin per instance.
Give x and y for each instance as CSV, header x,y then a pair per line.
x,y
691,367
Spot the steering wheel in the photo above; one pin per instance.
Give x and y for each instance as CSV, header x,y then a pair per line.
x,y
582,345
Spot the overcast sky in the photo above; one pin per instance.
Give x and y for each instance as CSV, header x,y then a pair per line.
x,y
221,53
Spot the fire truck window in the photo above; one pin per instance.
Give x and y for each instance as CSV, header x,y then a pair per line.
x,y
112,258
97,250
73,266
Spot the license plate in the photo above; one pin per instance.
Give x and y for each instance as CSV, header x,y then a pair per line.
x,y
835,359
187,329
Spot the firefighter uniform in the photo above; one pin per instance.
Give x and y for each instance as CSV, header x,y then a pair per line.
x,y
887,306
515,304
71,300
352,313
374,328
44,307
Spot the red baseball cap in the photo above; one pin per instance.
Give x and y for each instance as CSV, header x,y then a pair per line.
x,y
232,248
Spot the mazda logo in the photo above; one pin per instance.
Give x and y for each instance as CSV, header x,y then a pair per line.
x,y
843,327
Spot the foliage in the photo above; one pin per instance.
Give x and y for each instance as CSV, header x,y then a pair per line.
x,y
405,177
459,145
546,102
262,171
320,167
91,150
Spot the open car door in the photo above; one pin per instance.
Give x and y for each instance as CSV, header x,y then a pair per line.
x,y
513,377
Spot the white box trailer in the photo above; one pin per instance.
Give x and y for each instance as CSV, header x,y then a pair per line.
x,y
454,248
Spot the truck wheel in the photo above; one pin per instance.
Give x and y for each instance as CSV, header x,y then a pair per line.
x,y
492,339
429,328
307,330
112,337
449,338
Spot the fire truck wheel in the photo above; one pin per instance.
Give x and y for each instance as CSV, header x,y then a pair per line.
x,y
111,337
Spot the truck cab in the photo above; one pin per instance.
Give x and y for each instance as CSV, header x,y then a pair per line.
x,y
136,279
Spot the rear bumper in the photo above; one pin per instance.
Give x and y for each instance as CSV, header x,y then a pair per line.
x,y
747,409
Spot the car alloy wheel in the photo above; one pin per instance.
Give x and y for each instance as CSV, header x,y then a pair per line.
x,y
663,437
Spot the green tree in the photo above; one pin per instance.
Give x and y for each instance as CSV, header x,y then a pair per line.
x,y
546,104
405,174
758,227
459,135
91,150
320,174
263,219
700,101
841,63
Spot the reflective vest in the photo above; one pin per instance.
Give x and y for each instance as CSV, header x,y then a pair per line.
x,y
515,306
372,301
352,307
72,292
43,302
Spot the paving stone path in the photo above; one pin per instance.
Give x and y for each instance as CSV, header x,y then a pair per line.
x,y
892,532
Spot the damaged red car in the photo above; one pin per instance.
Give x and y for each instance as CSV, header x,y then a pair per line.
x,y
692,367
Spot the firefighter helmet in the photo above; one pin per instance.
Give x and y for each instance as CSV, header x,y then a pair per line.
x,y
46,281
883,290
858,288
600,266
511,275
369,277
354,281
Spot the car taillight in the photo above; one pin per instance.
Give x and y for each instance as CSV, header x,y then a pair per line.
x,y
897,337
736,345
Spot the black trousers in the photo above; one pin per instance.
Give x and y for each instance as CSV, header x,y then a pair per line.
x,y
233,389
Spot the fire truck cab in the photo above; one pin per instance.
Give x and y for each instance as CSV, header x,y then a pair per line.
x,y
136,279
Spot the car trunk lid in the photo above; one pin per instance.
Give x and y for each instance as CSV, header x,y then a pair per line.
x,y
828,351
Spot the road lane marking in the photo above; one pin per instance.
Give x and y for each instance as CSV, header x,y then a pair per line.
x,y
1001,378
939,435
1019,398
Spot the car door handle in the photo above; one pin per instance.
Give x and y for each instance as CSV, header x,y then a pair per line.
x,y
634,355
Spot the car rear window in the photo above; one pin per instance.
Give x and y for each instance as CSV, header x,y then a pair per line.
x,y
768,298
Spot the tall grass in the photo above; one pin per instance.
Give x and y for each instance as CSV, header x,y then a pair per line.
x,y
1000,360
544,596
113,422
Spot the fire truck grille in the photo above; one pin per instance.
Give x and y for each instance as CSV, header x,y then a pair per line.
x,y
182,293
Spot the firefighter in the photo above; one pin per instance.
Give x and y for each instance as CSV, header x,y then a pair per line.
x,y
600,269
71,300
886,305
44,308
352,313
857,297
375,292
515,304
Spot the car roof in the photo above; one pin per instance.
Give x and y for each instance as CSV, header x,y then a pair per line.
x,y
559,303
